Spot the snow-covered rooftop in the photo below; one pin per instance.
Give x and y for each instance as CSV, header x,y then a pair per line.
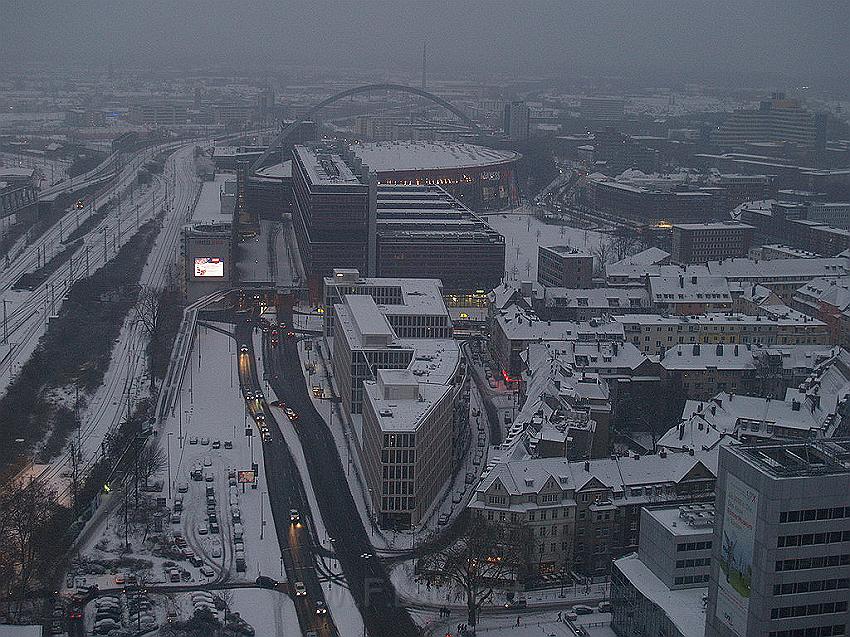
x,y
685,607
404,156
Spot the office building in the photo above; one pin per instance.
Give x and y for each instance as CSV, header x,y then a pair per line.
x,y
517,120
407,443
414,308
661,589
779,119
399,393
780,563
364,341
702,242
423,232
602,109
564,267
334,213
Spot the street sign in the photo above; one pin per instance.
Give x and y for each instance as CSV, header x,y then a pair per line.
x,y
246,477
249,432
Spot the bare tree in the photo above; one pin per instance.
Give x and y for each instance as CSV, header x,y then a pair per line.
x,y
29,528
623,245
602,254
485,556
152,462
148,310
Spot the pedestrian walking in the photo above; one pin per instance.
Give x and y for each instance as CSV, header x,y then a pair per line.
x,y
517,620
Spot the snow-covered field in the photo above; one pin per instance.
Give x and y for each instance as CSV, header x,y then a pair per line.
x,y
524,233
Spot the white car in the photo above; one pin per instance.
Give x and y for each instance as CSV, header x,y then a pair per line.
x,y
206,571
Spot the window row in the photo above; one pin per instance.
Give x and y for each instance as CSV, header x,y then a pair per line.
x,y
690,579
803,610
809,515
814,631
807,539
700,561
693,546
792,588
822,561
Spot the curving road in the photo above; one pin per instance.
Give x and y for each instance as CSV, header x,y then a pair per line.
x,y
365,574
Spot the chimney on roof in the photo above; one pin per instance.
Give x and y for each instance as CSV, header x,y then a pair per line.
x,y
713,409
587,465
693,280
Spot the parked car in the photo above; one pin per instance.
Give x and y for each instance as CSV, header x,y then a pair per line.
x,y
604,607
228,444
205,441
216,444
193,440
266,582
581,609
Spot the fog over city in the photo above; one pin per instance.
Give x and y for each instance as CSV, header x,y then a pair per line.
x,y
424,319
723,39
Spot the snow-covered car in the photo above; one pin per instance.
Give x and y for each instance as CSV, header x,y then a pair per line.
x,y
206,571
300,589
216,552
202,530
205,441
193,440
228,444
216,444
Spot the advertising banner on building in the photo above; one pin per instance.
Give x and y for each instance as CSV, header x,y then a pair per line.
x,y
209,267
736,562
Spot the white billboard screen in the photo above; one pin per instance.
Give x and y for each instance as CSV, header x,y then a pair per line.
x,y
209,267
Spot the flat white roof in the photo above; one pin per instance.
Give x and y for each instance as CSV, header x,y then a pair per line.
x,y
402,156
276,170
324,166
208,207
684,607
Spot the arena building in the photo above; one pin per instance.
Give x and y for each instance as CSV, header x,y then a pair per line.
x,y
480,177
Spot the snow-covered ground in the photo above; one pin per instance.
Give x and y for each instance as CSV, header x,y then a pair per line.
x,y
543,624
211,408
524,233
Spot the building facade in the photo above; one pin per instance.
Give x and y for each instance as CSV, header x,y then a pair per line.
x,y
564,267
702,242
780,563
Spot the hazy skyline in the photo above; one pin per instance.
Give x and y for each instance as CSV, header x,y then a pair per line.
x,y
703,39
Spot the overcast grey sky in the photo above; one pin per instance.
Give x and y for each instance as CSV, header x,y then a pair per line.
x,y
803,39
